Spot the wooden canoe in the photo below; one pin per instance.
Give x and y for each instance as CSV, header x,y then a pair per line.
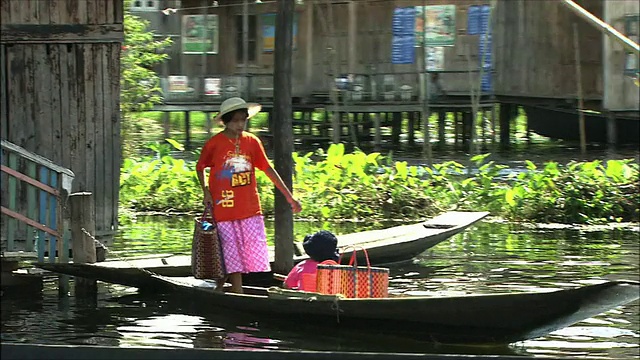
x,y
469,319
383,246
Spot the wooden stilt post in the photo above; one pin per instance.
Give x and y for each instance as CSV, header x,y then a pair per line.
x,y
245,44
505,126
208,123
396,127
612,133
411,117
166,124
493,124
187,129
442,116
377,139
457,119
283,131
84,248
483,129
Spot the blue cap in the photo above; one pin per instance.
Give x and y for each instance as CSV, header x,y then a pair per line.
x,y
321,246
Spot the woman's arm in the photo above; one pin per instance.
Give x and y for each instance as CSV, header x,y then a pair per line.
x,y
208,199
275,178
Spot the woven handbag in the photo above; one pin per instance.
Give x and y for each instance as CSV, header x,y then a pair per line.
x,y
207,261
353,281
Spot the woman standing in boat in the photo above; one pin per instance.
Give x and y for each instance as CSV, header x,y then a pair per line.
x,y
232,156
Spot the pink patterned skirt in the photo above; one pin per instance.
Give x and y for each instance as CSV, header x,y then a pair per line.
x,y
244,245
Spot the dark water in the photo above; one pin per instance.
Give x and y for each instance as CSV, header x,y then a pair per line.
x,y
490,257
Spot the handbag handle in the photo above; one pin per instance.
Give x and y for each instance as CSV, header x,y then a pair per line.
x,y
207,209
354,259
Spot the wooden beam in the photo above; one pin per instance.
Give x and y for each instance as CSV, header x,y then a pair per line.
x,y
28,221
29,180
62,33
627,43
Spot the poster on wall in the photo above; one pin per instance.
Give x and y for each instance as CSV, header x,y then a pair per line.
x,y
269,32
199,36
440,25
402,42
212,86
178,83
435,58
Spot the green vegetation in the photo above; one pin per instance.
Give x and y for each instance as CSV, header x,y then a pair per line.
x,y
139,83
356,186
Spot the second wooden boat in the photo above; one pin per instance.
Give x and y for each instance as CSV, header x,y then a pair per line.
x,y
384,246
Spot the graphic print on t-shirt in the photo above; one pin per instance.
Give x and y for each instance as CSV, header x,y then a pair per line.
x,y
237,169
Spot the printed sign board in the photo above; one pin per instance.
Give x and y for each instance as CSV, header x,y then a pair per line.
x,y
199,34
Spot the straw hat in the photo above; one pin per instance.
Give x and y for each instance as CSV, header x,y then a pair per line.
x,y
236,103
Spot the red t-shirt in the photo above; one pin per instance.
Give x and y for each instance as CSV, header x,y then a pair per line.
x,y
232,178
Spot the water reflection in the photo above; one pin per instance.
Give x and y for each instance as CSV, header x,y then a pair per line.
x,y
488,258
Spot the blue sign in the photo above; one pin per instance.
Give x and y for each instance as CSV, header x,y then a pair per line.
x,y
484,50
403,24
484,25
473,20
402,50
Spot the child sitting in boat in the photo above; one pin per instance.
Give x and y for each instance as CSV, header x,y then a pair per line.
x,y
321,247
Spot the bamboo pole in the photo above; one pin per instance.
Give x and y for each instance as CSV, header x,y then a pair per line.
x,y
627,43
426,145
576,46
474,96
335,115
245,47
203,57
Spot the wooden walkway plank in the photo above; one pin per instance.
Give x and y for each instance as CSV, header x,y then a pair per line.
x,y
4,111
13,194
71,13
54,11
42,213
110,185
58,125
32,205
44,15
92,13
97,124
71,136
5,15
81,73
52,205
64,97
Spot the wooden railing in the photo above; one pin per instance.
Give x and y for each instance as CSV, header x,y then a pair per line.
x,y
34,193
217,88
376,87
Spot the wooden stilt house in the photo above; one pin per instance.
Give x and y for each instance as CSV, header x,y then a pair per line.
x,y
60,93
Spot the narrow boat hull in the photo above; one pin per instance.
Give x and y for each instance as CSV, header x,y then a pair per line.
x,y
472,319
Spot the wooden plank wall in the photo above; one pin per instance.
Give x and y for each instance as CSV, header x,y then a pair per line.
x,y
311,59
620,93
534,52
373,42
62,89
